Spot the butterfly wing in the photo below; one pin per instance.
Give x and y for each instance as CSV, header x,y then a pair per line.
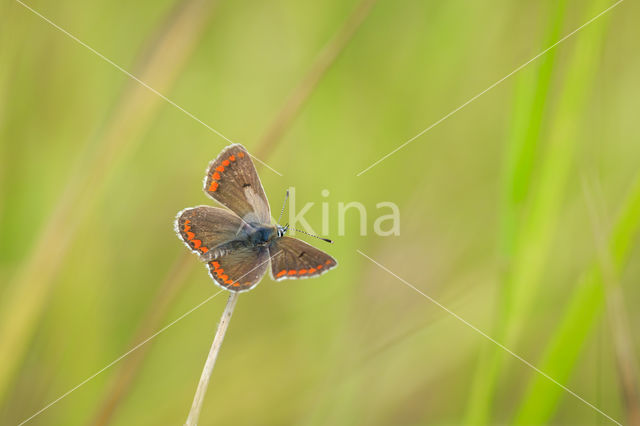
x,y
233,181
293,258
205,228
240,269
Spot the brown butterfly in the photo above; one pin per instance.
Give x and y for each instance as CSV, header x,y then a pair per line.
x,y
239,244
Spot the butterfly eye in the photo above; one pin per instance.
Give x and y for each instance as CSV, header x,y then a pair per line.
x,y
282,230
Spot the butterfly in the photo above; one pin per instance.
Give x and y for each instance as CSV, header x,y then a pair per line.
x,y
238,244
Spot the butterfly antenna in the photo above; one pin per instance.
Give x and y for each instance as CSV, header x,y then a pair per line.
x,y
286,197
314,236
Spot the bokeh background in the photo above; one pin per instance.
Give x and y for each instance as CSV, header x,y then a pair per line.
x,y
519,213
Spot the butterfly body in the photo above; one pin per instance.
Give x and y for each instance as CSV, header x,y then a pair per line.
x,y
238,245
261,235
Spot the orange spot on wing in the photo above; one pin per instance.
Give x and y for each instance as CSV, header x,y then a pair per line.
x,y
220,169
236,284
215,264
219,271
228,281
190,235
214,186
319,266
204,249
197,243
312,270
216,175
302,271
232,158
281,273
224,277
241,154
292,272
328,262
225,163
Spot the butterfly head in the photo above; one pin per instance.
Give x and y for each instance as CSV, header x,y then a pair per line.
x,y
282,230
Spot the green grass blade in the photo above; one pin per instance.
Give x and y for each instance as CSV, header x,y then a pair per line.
x,y
530,247
537,236
531,94
587,302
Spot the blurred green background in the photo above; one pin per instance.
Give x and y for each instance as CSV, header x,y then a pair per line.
x,y
519,213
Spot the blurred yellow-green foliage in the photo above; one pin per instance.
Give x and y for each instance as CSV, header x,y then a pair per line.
x,y
519,212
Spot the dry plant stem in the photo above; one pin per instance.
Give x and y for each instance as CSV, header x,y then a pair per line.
x,y
323,62
616,313
166,294
27,293
194,414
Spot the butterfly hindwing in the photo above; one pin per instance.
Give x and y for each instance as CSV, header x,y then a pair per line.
x,y
204,228
240,269
293,258
233,181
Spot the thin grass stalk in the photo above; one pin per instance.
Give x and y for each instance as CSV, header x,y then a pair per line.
x,y
618,318
28,292
579,319
624,352
156,312
323,62
198,399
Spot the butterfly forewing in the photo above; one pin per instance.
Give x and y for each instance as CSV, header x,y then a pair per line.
x,y
232,180
240,269
205,228
293,258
